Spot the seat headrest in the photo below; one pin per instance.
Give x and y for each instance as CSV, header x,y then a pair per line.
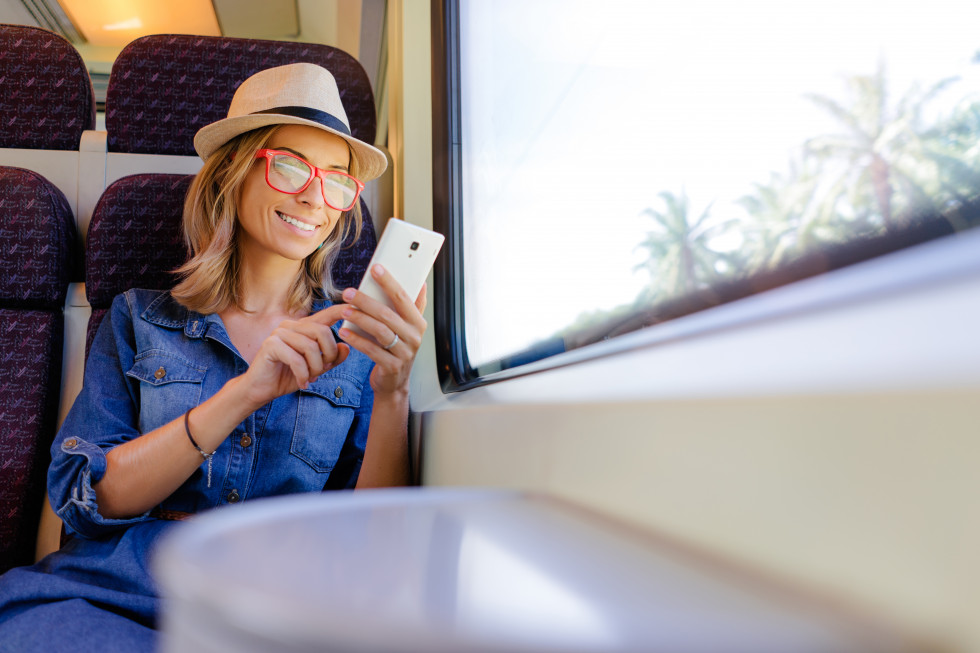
x,y
47,93
163,88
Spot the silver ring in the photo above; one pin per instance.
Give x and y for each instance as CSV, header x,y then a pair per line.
x,y
392,343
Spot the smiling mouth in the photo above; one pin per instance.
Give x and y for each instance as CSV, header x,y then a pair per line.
x,y
296,223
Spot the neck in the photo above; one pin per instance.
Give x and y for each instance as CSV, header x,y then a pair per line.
x,y
266,282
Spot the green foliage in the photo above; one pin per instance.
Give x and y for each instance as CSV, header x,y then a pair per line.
x,y
884,161
679,252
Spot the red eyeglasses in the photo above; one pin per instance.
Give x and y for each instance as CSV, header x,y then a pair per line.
x,y
288,173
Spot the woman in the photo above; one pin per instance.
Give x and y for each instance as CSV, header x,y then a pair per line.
x,y
235,384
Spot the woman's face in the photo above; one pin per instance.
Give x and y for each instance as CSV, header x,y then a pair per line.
x,y
284,226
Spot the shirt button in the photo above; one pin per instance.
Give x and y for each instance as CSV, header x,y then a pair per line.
x,y
246,440
338,392
71,443
233,496
160,373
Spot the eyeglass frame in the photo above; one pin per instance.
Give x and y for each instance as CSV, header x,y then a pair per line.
x,y
268,153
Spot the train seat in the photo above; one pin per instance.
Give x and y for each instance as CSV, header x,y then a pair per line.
x,y
48,99
48,107
163,88
135,240
37,231
47,122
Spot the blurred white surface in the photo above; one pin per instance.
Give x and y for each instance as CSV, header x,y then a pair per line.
x,y
417,569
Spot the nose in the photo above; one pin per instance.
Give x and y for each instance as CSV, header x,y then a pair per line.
x,y
312,195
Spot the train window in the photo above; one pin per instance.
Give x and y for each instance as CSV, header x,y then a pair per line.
x,y
606,167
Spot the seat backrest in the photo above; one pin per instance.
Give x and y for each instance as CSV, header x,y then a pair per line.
x,y
47,93
135,240
163,88
37,234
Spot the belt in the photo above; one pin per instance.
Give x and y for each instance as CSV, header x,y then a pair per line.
x,y
171,515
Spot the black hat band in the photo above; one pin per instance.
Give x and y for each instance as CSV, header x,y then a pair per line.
x,y
314,115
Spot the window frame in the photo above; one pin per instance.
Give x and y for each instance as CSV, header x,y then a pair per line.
x,y
455,373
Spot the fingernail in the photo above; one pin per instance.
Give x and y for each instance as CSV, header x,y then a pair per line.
x,y
349,294
344,333
347,312
378,270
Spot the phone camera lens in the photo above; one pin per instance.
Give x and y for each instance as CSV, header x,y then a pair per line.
x,y
415,246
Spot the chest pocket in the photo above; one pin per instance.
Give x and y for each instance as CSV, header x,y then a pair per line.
x,y
323,420
169,387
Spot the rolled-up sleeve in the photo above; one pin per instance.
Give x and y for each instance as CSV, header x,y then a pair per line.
x,y
103,416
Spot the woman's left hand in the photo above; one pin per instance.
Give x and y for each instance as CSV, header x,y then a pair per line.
x,y
398,329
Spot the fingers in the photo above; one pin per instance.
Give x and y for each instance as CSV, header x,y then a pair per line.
x,y
278,351
314,341
389,335
327,316
377,340
404,306
375,318
386,329
295,354
343,350
368,344
309,347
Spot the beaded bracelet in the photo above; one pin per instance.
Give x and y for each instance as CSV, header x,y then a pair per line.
x,y
207,456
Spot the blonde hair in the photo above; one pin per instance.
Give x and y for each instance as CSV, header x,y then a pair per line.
x,y
211,279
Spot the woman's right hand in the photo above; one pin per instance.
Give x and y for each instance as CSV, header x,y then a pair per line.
x,y
294,355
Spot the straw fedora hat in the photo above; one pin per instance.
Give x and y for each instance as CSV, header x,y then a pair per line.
x,y
295,94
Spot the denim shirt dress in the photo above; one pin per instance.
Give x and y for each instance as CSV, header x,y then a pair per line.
x,y
151,361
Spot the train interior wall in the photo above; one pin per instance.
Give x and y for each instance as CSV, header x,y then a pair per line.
x,y
832,447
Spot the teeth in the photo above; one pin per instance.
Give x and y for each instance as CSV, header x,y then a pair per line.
x,y
296,223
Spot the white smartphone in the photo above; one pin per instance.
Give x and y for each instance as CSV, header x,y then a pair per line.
x,y
407,253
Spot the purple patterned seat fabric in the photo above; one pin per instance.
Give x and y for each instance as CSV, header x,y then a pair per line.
x,y
37,233
135,240
163,88
47,94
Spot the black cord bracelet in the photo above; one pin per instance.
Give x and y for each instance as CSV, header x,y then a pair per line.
x,y
207,456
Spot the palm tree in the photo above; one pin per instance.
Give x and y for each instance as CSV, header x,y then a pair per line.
x,y
786,217
955,146
799,211
883,149
680,259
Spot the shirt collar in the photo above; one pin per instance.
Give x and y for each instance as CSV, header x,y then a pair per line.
x,y
166,312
